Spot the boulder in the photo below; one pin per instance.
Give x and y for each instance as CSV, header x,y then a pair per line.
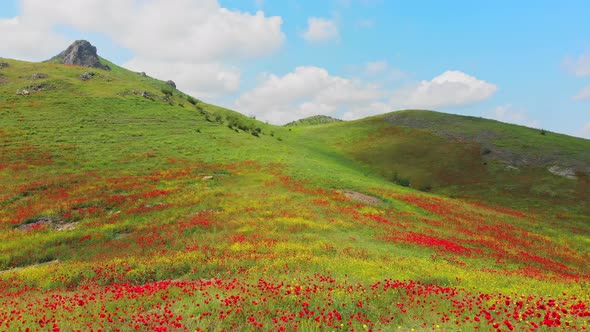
x,y
171,84
4,65
87,76
38,76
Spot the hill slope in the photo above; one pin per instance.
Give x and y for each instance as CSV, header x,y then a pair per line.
x,y
313,120
469,157
128,205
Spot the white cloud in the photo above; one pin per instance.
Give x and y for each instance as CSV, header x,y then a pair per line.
x,y
312,90
585,132
200,35
166,29
24,40
303,92
208,80
511,114
584,94
363,111
579,66
451,88
320,30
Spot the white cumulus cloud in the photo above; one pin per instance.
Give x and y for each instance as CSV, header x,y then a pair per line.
x,y
204,80
312,90
200,35
304,92
25,40
451,88
321,30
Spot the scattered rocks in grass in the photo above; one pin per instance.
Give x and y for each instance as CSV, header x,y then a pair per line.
x,y
87,75
41,221
121,235
3,80
569,173
39,87
54,223
512,168
39,76
207,177
363,198
144,94
4,65
171,84
61,227
35,87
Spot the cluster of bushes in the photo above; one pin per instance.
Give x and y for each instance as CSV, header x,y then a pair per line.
x,y
237,124
405,182
234,122
402,181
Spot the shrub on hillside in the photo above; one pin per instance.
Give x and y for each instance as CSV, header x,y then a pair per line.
x,y
192,100
167,91
402,181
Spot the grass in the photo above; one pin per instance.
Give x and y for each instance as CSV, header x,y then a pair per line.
x,y
426,159
313,120
179,217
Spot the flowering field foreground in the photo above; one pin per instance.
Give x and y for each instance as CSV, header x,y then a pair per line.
x,y
316,302
245,247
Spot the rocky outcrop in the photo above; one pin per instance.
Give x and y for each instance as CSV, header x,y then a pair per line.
x,y
80,53
171,84
4,65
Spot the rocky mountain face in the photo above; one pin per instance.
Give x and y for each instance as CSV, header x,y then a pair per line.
x,y
80,53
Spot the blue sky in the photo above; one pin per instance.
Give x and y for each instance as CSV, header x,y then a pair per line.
x,y
525,62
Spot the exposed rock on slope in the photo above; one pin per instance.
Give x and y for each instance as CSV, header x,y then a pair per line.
x,y
496,142
80,53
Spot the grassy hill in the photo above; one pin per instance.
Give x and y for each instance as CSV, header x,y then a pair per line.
x,y
472,158
313,120
129,205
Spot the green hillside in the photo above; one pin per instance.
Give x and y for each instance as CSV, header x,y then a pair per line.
x,y
469,157
128,205
313,120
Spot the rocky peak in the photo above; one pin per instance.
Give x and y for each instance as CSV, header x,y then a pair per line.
x,y
80,53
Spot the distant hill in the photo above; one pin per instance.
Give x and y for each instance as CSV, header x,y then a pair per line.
x,y
313,120
469,157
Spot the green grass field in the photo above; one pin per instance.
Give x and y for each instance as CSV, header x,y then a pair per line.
x,y
121,212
